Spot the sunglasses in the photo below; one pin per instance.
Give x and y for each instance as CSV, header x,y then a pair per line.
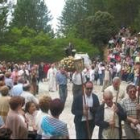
x,y
89,88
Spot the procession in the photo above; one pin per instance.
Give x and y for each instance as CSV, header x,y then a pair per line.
x,y
101,96
69,69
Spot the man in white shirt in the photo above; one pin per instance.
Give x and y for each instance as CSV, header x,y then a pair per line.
x,y
116,89
92,73
77,83
109,117
86,72
24,73
101,73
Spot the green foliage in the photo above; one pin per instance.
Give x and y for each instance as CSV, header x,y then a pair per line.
x,y
1,1
8,53
78,15
33,14
25,44
79,44
87,24
3,21
80,20
72,14
42,39
102,27
124,11
137,22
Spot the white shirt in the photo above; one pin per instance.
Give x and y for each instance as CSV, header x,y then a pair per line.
x,y
109,114
92,72
87,72
110,133
101,68
111,41
29,97
51,73
76,78
20,73
38,120
89,103
118,67
107,75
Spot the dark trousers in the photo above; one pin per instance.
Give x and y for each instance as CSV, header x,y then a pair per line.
x,y
38,136
81,129
32,135
101,77
77,89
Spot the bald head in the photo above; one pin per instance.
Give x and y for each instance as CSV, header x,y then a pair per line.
x,y
88,88
108,98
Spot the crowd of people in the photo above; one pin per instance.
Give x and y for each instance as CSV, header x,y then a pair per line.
x,y
24,116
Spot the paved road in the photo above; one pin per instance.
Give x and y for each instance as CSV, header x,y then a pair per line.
x,y
67,116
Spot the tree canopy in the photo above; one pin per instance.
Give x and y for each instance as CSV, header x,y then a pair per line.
x,y
76,13
3,20
88,24
33,14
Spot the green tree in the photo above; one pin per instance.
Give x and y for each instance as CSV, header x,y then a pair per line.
x,y
124,11
136,24
93,6
25,44
101,27
72,14
76,12
81,45
2,1
3,20
33,14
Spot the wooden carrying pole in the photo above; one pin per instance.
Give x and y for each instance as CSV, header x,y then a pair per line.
x,y
79,66
115,104
116,100
87,122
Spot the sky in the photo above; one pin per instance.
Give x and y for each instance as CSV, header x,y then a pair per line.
x,y
55,7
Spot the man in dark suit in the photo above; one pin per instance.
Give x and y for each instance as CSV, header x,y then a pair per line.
x,y
84,108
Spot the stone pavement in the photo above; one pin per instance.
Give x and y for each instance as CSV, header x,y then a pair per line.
x,y
67,116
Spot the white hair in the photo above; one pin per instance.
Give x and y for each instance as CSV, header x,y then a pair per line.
x,y
107,93
116,79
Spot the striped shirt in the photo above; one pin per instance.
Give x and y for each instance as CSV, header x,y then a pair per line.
x,y
53,127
